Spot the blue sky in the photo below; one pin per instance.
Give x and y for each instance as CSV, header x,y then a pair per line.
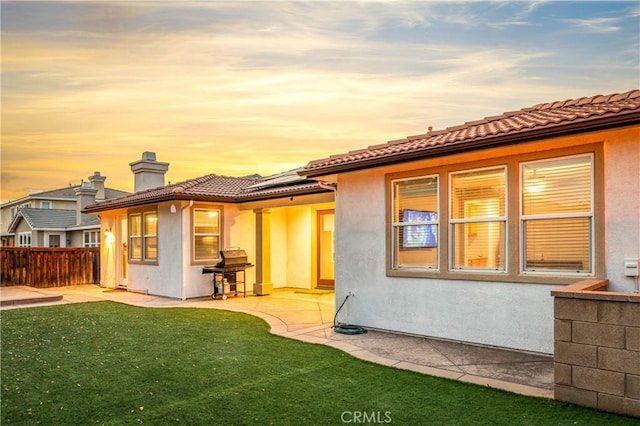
x,y
242,87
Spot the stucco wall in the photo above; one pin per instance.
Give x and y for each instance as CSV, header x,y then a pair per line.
x,y
165,277
299,232
510,315
622,182
239,231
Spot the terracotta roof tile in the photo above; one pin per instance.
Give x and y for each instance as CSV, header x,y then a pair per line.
x,y
573,115
217,188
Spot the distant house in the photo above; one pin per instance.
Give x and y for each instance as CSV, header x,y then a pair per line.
x,y
159,239
462,233
53,218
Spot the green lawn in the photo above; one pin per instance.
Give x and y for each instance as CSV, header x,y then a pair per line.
x,y
108,363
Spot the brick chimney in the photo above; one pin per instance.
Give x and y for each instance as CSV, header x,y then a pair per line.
x,y
148,172
85,195
97,182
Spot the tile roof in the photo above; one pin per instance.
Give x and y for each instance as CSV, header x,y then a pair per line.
x,y
217,188
547,119
53,219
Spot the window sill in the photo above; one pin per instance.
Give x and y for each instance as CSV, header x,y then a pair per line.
x,y
205,262
143,262
489,276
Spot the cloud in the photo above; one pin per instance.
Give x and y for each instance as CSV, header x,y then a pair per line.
x,y
595,25
238,87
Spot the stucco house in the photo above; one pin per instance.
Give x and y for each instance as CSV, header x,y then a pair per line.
x,y
158,239
462,233
54,218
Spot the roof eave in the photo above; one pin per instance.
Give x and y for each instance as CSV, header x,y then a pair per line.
x,y
306,191
603,123
100,207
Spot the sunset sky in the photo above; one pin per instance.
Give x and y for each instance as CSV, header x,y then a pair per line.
x,y
241,87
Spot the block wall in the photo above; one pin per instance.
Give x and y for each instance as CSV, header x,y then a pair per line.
x,y
597,350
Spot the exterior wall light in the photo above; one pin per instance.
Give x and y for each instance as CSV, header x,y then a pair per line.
x,y
109,237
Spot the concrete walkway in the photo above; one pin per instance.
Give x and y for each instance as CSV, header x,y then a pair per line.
x,y
309,317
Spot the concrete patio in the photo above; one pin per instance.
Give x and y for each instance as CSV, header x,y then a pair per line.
x,y
309,317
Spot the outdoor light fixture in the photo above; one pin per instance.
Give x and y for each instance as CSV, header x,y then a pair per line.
x,y
109,237
173,209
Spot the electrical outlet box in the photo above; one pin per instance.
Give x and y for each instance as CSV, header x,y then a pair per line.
x,y
631,267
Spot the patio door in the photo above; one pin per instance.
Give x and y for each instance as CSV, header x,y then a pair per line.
x,y
326,248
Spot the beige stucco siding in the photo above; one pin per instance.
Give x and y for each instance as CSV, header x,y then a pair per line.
x,y
622,197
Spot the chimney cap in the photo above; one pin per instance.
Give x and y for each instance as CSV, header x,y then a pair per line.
x,y
149,156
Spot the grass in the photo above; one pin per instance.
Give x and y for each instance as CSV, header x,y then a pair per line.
x,y
108,363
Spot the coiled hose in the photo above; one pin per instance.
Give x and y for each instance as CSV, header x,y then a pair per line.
x,y
346,328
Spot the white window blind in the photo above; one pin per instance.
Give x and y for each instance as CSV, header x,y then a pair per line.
x,y
206,234
557,214
478,219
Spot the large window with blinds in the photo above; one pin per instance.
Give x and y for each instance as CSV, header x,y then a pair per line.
x,y
478,219
532,217
206,234
557,212
415,222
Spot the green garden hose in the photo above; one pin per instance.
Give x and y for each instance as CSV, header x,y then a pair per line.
x,y
346,328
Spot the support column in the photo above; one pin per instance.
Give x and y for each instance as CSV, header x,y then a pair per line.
x,y
263,285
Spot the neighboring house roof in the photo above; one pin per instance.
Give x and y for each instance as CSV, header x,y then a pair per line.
x,y
217,188
544,120
52,219
65,194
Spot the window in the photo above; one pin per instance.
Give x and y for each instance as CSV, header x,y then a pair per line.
x,y
206,234
45,204
92,238
135,237
478,219
54,240
24,239
522,217
150,238
557,215
415,222
143,238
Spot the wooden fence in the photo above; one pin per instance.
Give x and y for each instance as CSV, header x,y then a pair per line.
x,y
49,267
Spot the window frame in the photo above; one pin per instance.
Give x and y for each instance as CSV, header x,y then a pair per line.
x,y
512,159
54,235
396,226
204,207
143,237
523,218
493,219
95,242
25,239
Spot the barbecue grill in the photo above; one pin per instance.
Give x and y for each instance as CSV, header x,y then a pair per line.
x,y
225,273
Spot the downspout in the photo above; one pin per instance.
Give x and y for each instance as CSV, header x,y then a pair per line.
x,y
327,185
184,281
